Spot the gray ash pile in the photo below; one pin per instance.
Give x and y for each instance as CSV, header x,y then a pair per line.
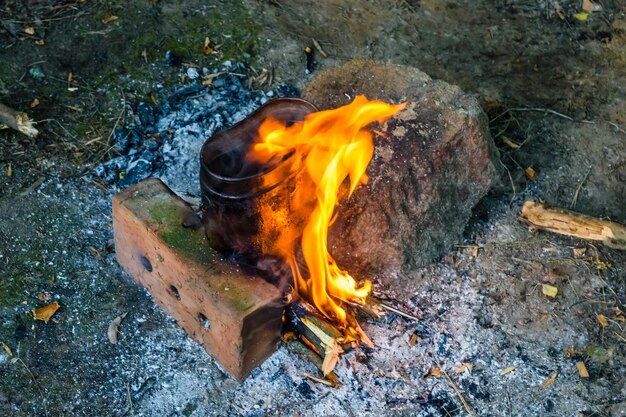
x,y
165,141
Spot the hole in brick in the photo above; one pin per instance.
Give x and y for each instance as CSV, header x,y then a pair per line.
x,y
206,324
173,291
146,263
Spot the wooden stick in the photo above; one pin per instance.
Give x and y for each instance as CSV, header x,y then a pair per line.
x,y
17,120
570,223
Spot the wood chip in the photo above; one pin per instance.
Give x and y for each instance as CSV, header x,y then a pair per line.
x,y
550,380
114,328
582,369
29,30
559,13
109,19
507,370
324,381
413,340
319,48
602,320
40,42
618,314
549,290
34,103
45,313
510,143
531,174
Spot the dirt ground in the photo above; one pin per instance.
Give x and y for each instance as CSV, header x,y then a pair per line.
x,y
552,81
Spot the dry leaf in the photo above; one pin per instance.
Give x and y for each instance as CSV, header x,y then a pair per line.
x,y
7,349
433,373
29,30
531,174
206,49
582,16
507,370
34,103
10,171
582,369
591,7
40,42
413,340
114,328
549,290
550,380
602,320
571,352
618,314
475,251
46,312
109,19
465,366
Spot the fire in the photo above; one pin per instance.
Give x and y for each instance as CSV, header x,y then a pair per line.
x,y
326,149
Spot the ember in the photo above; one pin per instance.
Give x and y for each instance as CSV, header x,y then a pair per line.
x,y
328,147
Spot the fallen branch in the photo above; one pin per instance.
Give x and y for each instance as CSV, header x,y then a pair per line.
x,y
570,223
17,120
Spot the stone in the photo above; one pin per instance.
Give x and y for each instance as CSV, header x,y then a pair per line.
x,y
433,162
235,315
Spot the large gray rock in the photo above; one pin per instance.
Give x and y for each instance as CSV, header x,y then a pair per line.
x,y
437,163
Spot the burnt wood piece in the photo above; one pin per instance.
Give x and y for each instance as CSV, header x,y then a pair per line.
x,y
432,163
316,332
236,316
570,223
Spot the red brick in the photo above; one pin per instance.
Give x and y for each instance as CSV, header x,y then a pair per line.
x,y
191,282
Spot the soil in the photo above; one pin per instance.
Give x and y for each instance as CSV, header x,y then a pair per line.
x,y
551,80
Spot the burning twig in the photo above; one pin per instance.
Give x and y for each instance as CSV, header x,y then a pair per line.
x,y
570,223
17,120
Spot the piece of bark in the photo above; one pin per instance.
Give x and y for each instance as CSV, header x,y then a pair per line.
x,y
570,223
432,163
17,120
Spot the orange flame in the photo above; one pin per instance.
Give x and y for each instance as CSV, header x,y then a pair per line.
x,y
327,148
